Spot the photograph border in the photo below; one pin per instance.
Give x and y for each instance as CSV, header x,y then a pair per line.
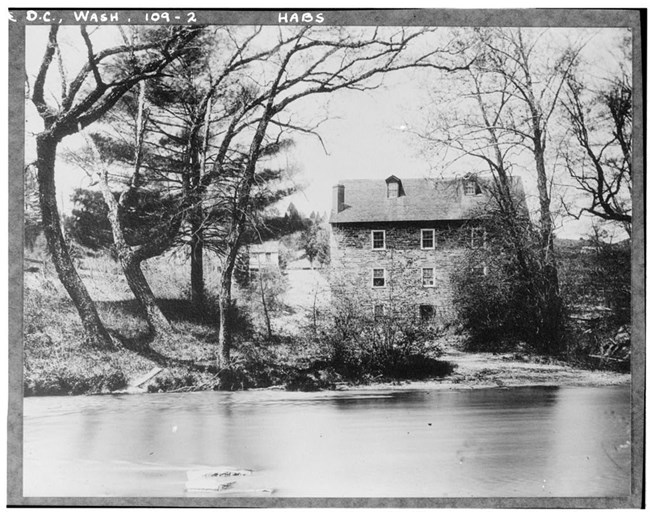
x,y
632,18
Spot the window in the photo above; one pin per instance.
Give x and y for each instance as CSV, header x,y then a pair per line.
x,y
428,277
267,256
378,278
427,312
470,187
394,187
428,238
477,238
378,240
379,311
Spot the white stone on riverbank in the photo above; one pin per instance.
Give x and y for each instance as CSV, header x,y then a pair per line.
x,y
217,472
214,479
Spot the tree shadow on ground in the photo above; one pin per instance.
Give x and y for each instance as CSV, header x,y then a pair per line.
x,y
176,310
141,345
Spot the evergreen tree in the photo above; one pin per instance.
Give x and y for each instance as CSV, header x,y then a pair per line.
x,y
94,91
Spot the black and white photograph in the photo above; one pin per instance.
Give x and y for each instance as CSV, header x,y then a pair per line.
x,y
317,258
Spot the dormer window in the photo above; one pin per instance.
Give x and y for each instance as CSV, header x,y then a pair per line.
x,y
470,186
394,187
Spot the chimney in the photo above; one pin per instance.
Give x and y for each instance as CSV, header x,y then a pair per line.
x,y
338,198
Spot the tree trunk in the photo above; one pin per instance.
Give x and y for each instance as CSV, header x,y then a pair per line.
x,y
546,221
267,318
198,156
225,297
131,260
196,266
314,311
551,305
225,329
237,227
158,324
551,311
95,332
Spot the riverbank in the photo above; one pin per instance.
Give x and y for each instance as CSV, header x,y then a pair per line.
x,y
132,373
57,361
486,370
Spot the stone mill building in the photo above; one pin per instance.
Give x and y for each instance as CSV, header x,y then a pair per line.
x,y
394,242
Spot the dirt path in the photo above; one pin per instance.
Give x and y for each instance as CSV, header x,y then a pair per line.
x,y
483,370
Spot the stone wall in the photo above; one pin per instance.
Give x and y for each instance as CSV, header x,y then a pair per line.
x,y
352,261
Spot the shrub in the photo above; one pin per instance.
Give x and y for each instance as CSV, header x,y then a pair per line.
x,y
64,378
393,346
257,365
504,292
612,272
598,344
173,380
596,281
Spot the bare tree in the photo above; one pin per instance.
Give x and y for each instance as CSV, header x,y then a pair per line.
x,y
83,101
537,88
264,295
514,88
601,124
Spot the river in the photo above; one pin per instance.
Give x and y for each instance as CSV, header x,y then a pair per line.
x,y
519,442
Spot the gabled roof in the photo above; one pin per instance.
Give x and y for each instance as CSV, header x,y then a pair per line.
x,y
423,200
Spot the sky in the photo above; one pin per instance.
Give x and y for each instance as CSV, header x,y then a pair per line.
x,y
365,134
371,135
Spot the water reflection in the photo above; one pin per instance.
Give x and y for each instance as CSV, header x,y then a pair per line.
x,y
498,442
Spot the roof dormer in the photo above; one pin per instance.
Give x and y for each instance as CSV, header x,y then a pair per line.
x,y
394,187
470,185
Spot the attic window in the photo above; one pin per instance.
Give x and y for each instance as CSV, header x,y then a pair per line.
x,y
394,187
470,187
